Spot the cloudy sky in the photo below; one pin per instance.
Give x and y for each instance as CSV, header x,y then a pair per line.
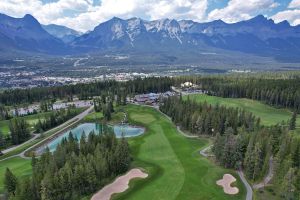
x,y
84,15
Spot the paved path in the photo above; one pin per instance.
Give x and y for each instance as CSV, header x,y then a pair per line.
x,y
70,123
186,135
203,152
249,195
269,176
17,146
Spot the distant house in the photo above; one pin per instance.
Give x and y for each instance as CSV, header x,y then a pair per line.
x,y
186,84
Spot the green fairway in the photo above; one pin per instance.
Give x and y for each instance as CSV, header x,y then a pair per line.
x,y
176,169
19,167
268,115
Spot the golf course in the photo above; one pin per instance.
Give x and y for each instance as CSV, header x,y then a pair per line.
x,y
268,115
175,167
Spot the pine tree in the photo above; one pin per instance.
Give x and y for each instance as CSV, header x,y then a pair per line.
x,y
293,121
10,182
25,191
289,185
258,161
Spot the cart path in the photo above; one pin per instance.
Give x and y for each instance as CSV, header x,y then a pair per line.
x,y
268,178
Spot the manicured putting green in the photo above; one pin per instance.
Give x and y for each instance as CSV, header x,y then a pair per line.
x,y
20,167
268,115
176,169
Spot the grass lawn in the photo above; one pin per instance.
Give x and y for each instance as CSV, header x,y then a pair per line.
x,y
176,169
94,116
268,115
19,167
116,117
31,120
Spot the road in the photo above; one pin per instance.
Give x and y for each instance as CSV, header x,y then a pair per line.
x,y
61,127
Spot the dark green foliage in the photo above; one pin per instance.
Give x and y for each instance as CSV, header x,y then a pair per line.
x,y
55,118
97,104
10,182
277,92
4,113
108,109
19,130
292,125
5,141
202,118
71,172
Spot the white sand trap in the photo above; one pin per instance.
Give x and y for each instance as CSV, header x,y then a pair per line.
x,y
226,182
119,185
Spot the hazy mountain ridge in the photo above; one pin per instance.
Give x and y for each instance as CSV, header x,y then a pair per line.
x,y
27,34
259,36
62,32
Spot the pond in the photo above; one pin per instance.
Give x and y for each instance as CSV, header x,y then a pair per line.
x,y
87,128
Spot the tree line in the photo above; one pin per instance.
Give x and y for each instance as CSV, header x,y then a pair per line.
x,y
19,133
205,119
19,130
83,90
56,118
278,92
75,169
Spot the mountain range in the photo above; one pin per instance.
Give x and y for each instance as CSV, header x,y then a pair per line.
x,y
259,36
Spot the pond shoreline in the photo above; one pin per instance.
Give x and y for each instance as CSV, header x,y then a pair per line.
x,y
91,127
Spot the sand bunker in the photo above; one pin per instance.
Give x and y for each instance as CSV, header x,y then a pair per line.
x,y
226,182
119,185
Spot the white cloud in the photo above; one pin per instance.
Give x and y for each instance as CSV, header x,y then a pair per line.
x,y
237,10
83,15
293,16
86,15
178,9
294,4
150,9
